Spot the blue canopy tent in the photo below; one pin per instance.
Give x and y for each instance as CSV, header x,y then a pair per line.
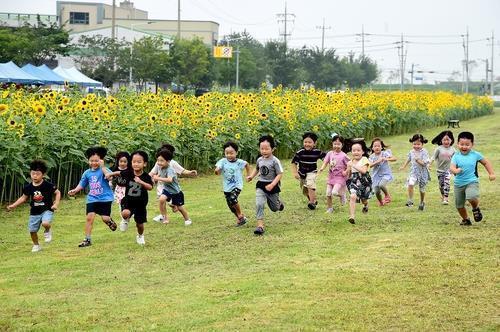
x,y
46,76
11,73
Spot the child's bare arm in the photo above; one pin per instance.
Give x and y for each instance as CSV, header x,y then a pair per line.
x,y
252,175
454,169
405,164
248,169
75,190
295,171
273,184
489,168
19,201
323,166
57,193
218,171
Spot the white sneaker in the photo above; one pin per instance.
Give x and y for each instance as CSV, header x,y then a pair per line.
x,y
47,236
445,202
123,225
187,222
159,218
140,239
329,210
36,248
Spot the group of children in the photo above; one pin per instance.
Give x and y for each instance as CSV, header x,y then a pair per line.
x,y
357,178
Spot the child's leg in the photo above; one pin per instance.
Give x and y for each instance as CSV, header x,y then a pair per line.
x,y
312,195
352,205
446,185
34,238
378,193
460,202
329,193
183,211
274,203
441,179
410,192
140,228
260,201
89,222
162,203
126,213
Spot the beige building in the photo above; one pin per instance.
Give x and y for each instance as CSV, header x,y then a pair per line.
x,y
81,17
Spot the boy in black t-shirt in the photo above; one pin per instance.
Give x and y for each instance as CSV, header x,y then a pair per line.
x,y
40,193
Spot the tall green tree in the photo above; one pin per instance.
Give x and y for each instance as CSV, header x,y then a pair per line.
x,y
33,43
150,60
102,58
190,61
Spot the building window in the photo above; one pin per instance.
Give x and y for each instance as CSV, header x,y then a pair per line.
x,y
78,18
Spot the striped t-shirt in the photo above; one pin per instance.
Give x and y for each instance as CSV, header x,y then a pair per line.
x,y
307,160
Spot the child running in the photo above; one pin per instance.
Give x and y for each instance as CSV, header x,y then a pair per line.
x,y
161,172
418,158
442,155
268,185
171,190
359,182
100,196
304,167
40,193
464,167
231,169
381,170
122,162
137,184
336,160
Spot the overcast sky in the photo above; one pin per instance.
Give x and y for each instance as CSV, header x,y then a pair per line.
x,y
432,28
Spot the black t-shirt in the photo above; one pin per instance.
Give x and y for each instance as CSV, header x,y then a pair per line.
x,y
41,196
134,192
119,180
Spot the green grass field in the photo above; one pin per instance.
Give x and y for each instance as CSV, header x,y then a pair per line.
x,y
396,269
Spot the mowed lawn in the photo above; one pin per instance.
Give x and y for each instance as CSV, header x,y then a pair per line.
x,y
396,269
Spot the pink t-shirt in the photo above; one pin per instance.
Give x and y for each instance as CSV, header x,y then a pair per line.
x,y
337,162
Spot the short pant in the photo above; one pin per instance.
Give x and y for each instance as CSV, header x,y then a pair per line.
x,y
100,208
309,181
467,192
174,199
36,220
232,196
138,210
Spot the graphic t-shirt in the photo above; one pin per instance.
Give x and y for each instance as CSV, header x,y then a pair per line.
x,y
268,169
99,189
232,173
135,192
41,196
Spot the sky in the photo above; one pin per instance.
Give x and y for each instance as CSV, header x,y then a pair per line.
x,y
432,29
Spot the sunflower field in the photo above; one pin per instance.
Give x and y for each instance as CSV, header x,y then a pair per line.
x,y
59,126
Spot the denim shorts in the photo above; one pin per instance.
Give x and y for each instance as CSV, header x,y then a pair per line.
x,y
36,220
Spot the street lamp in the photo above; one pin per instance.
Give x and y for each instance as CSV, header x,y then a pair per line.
x,y
132,47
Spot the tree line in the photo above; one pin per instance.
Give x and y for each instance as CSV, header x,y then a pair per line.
x,y
187,62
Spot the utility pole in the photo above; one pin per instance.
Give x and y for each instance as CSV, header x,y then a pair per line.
x,y
323,35
486,78
362,35
492,89
402,52
113,20
411,72
465,44
283,17
179,19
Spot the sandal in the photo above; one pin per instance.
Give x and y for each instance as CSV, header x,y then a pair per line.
x,y
241,221
351,220
111,224
478,216
259,230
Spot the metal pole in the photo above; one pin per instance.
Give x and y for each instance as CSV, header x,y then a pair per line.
x,y
131,48
492,89
113,22
237,67
179,19
486,79
467,61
